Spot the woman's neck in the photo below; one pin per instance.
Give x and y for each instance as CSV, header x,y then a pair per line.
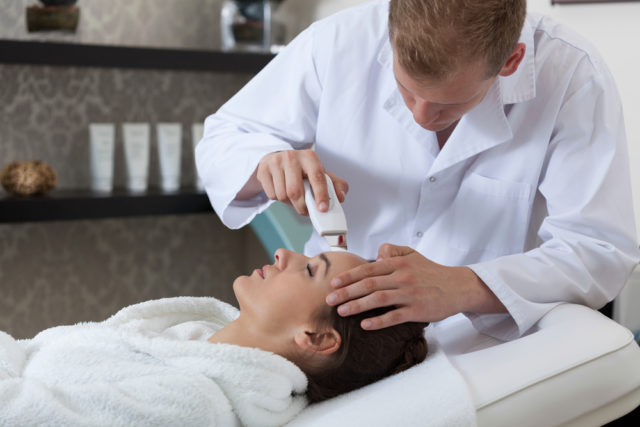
x,y
239,332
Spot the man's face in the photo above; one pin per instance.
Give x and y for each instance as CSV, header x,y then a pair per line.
x,y
436,105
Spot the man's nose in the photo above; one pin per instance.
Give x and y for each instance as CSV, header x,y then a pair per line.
x,y
425,113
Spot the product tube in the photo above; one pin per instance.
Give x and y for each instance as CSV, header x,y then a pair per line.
x,y
169,151
102,144
197,130
136,150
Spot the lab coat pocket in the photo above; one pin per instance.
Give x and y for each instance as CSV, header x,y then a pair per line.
x,y
490,215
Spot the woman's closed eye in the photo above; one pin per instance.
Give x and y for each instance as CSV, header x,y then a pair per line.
x,y
309,270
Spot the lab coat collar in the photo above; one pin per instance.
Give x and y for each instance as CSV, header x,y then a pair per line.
x,y
484,127
521,85
385,56
518,87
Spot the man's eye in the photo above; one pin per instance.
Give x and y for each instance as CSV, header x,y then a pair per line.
x,y
309,270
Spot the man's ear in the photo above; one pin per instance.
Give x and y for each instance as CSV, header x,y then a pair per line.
x,y
512,64
325,341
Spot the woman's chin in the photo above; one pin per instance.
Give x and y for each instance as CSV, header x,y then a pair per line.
x,y
255,275
243,284
238,284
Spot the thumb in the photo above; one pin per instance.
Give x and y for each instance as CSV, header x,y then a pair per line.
x,y
387,250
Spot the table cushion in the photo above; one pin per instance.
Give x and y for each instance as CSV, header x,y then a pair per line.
x,y
577,367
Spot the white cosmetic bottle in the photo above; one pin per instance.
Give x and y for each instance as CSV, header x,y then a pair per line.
x,y
136,150
197,131
102,145
169,153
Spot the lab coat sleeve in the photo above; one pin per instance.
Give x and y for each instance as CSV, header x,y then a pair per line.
x,y
589,245
275,111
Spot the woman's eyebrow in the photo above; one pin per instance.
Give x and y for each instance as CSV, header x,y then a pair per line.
x,y
326,260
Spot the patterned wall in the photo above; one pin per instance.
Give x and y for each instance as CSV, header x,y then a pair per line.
x,y
162,23
64,272
46,112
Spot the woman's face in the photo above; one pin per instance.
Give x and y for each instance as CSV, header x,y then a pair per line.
x,y
292,290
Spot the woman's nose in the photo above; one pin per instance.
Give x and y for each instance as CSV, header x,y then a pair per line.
x,y
284,257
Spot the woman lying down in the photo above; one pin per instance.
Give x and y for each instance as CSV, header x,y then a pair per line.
x,y
198,361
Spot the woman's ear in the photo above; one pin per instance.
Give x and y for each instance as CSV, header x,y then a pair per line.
x,y
326,341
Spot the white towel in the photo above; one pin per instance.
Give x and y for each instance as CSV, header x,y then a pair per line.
x,y
432,393
150,364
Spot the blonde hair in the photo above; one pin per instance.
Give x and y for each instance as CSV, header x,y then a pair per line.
x,y
432,39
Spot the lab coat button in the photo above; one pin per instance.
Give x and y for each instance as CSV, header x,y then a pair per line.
x,y
419,234
432,179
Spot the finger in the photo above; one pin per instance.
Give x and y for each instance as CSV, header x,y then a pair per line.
x,y
295,187
362,288
387,250
267,185
279,184
381,268
390,318
341,186
315,174
266,180
377,299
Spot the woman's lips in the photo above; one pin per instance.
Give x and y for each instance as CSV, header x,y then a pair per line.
x,y
262,272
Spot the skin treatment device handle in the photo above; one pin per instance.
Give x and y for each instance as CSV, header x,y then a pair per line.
x,y
332,225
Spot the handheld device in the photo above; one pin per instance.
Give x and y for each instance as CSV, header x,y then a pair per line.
x,y
332,225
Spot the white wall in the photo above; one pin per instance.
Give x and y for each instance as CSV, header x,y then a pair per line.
x,y
614,28
299,14
327,7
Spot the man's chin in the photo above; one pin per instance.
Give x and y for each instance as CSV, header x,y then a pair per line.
x,y
436,127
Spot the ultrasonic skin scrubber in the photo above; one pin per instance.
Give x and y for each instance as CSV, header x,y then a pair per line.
x,y
332,225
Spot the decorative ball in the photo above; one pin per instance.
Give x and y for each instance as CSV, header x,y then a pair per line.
x,y
27,178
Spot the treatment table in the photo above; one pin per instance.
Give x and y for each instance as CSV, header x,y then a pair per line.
x,y
576,367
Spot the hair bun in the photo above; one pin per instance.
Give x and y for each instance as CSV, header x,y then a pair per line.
x,y
415,352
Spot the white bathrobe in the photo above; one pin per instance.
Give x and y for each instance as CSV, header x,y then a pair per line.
x,y
150,364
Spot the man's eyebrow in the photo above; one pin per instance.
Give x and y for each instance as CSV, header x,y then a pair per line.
x,y
326,260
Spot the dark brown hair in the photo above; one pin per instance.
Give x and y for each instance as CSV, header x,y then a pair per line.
x,y
366,356
434,38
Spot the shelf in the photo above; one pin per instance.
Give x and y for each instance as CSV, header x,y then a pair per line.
x,y
86,55
65,205
83,204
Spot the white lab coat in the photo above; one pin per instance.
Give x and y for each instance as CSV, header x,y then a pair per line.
x,y
532,189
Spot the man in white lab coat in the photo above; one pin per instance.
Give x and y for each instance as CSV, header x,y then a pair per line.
x,y
483,151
